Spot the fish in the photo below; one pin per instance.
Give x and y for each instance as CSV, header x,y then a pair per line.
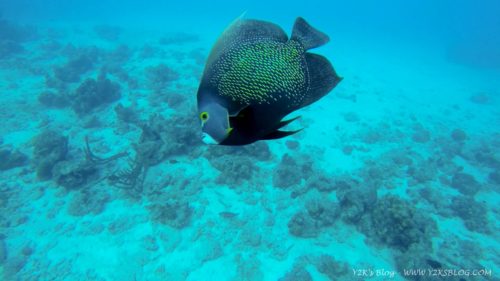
x,y
255,76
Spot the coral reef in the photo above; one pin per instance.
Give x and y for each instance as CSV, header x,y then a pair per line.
x,y
473,213
297,273
321,182
487,154
175,214
75,67
355,202
411,260
302,225
114,60
160,139
396,223
11,159
458,135
376,174
319,213
83,173
173,136
494,177
259,151
160,77
332,268
288,173
93,93
126,114
52,99
458,253
293,209
423,171
12,38
420,134
451,253
10,48
16,33
131,178
13,266
435,198
323,211
50,147
465,183
176,101
234,170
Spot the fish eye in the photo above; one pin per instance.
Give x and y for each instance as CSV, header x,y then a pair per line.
x,y
204,116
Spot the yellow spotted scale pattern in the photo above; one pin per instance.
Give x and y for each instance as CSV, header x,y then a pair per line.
x,y
262,72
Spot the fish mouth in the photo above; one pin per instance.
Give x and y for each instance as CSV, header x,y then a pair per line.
x,y
207,139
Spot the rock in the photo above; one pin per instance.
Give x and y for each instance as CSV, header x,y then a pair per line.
x,y
3,252
12,266
351,117
292,145
480,98
11,159
73,175
51,99
50,147
458,135
495,177
421,136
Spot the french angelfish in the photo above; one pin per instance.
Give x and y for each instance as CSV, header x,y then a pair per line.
x,y
255,75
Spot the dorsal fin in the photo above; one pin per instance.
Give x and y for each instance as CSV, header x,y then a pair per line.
x,y
244,30
307,35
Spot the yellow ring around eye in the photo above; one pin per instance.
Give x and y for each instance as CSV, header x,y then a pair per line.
x,y
204,116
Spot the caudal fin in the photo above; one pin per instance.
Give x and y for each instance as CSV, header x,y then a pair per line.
x,y
322,76
307,35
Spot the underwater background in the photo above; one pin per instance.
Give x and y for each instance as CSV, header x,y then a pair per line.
x,y
103,175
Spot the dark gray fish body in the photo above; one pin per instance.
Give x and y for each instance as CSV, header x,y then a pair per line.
x,y
255,76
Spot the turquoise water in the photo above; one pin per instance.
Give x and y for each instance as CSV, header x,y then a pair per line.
x,y
103,174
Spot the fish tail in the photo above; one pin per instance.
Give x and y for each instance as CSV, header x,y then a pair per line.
x,y
307,35
323,78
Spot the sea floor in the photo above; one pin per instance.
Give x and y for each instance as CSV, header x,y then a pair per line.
x,y
104,176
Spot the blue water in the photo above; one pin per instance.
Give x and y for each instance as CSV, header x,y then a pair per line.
x,y
103,174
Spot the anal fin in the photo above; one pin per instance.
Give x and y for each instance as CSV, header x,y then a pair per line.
x,y
286,122
279,134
